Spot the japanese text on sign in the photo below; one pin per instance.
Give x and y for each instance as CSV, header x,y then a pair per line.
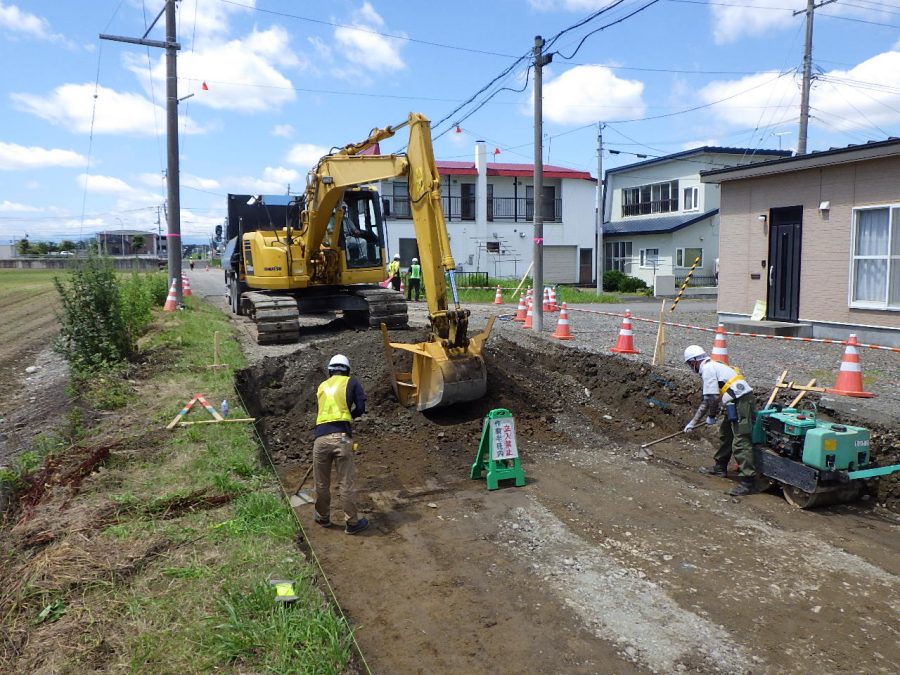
x,y
503,436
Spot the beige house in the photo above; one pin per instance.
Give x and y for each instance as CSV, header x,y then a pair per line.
x,y
817,237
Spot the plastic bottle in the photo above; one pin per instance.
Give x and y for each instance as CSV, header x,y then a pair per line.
x,y
224,408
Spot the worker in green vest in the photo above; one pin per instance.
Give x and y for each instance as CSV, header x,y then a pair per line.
x,y
341,399
415,279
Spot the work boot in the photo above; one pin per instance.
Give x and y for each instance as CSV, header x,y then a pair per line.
x,y
746,486
358,526
324,522
720,470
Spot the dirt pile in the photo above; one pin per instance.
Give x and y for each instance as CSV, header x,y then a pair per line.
x,y
558,395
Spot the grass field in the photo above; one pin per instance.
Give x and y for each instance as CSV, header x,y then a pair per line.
x,y
162,561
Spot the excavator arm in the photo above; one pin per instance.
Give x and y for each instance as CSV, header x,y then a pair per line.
x,y
447,367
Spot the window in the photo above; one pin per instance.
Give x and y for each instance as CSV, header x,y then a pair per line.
x,y
875,258
401,200
685,257
649,257
691,198
646,199
617,256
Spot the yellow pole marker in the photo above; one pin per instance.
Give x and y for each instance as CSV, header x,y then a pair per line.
x,y
687,280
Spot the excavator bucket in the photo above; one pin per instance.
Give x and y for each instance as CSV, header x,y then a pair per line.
x,y
439,376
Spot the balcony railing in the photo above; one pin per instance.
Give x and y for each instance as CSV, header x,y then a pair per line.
x,y
646,208
511,209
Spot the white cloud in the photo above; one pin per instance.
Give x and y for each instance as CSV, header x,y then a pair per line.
x,y
305,155
865,97
690,145
366,49
590,93
189,180
283,130
15,157
7,206
568,5
126,195
17,22
241,75
71,106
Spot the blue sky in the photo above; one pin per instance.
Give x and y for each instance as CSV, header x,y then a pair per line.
x,y
289,80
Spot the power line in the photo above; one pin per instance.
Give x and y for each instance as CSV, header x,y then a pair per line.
x,y
781,9
612,23
391,36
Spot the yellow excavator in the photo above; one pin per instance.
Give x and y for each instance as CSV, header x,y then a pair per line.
x,y
325,250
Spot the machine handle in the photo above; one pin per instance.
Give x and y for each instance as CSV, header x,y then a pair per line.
x,y
771,272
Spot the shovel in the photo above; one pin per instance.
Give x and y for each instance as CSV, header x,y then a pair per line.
x,y
300,498
665,438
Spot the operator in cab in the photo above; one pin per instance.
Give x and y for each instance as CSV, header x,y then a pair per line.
x,y
341,399
724,386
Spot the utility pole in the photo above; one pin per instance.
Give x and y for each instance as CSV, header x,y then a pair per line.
x,y
600,126
811,7
173,172
540,60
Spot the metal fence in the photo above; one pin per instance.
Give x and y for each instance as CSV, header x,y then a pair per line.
x,y
471,279
697,281
517,210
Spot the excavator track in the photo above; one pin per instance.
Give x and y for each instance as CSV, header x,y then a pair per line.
x,y
276,316
386,307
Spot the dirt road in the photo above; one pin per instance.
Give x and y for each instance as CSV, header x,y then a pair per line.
x,y
603,562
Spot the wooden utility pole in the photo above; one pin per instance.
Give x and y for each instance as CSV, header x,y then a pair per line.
x,y
540,60
173,171
811,7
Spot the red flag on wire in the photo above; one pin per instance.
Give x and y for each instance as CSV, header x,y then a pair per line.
x,y
204,87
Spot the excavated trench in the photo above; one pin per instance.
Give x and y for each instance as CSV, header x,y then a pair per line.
x,y
559,396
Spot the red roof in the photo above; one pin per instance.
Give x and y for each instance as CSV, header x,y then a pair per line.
x,y
503,169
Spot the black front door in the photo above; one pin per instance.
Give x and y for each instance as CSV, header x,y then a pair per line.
x,y
785,233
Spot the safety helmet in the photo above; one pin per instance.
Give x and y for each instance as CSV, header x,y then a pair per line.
x,y
415,260
693,352
339,362
396,256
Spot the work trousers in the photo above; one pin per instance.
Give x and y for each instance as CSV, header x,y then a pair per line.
x,y
395,282
413,284
734,438
334,448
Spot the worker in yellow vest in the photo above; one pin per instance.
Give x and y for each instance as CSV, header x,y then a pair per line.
x,y
724,386
394,272
341,399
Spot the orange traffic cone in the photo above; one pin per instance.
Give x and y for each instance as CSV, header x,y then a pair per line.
x,y
849,379
402,287
522,309
185,286
498,297
562,326
553,306
545,304
207,267
171,299
528,316
720,349
625,343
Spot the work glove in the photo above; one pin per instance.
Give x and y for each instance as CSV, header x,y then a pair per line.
x,y
690,425
710,420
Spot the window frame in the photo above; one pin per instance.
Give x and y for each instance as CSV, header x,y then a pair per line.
x,y
679,253
893,260
647,199
625,255
643,259
694,191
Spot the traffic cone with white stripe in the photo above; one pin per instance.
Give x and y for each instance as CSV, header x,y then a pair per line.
x,y
498,296
553,306
171,299
545,304
625,343
528,315
562,326
402,287
720,348
522,309
185,286
849,379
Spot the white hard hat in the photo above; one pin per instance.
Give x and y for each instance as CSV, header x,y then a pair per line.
x,y
396,256
415,260
692,352
339,362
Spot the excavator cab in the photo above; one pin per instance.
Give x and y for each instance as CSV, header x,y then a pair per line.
x,y
361,235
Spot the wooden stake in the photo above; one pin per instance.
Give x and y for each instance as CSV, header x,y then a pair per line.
x,y
793,404
659,350
217,361
230,419
778,384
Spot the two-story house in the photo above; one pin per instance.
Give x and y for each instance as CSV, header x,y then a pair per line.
x,y
659,218
489,210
